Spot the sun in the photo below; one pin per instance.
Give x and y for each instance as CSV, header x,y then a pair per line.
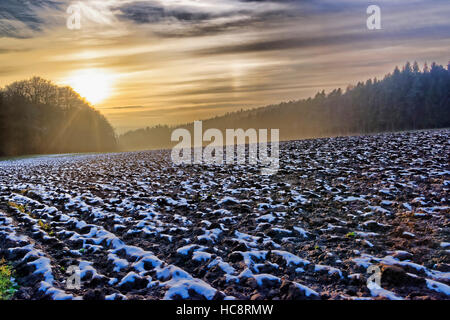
x,y
92,84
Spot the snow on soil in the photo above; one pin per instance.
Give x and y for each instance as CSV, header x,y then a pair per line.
x,y
139,227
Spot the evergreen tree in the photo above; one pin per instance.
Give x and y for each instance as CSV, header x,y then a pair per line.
x,y
406,99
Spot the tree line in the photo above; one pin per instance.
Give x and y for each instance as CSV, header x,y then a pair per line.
x,y
409,98
38,117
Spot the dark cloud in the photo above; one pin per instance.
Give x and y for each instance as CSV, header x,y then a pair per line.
x,y
186,21
210,27
153,12
25,12
354,40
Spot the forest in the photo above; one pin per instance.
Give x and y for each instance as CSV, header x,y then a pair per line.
x,y
38,117
409,98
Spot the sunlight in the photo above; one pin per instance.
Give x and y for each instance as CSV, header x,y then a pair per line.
x,y
94,85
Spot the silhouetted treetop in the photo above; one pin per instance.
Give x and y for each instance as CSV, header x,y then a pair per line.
x,y
37,116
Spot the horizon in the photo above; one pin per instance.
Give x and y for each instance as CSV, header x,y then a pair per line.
x,y
145,63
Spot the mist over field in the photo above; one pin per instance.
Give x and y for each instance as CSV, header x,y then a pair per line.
x,y
406,99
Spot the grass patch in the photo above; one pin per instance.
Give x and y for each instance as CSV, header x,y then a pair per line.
x,y
18,206
7,286
44,226
21,208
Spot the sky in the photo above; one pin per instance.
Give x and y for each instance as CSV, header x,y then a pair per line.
x,y
148,62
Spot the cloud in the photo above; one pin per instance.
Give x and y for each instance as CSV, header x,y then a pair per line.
x,y
22,18
354,39
188,18
153,12
125,108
